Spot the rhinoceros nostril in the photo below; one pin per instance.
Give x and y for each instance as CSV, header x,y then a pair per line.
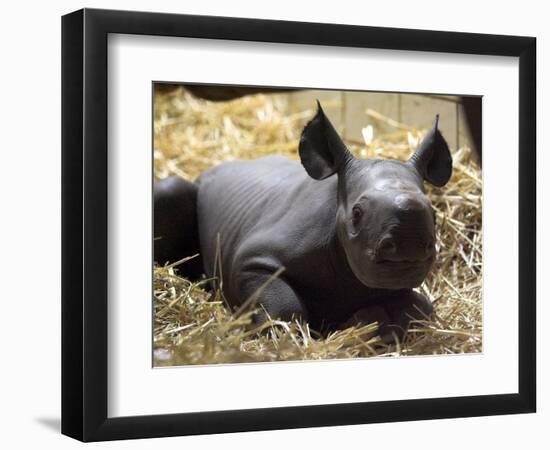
x,y
386,248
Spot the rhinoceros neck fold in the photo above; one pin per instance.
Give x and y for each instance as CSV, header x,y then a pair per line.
x,y
337,255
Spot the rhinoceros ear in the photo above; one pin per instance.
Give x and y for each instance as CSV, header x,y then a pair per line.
x,y
322,152
432,158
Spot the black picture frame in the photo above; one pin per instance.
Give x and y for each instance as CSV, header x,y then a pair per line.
x,y
84,224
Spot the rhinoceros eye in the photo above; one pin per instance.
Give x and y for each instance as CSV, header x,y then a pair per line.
x,y
356,214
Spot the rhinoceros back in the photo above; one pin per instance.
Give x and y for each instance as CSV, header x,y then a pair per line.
x,y
238,197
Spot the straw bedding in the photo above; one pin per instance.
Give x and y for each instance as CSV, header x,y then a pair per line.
x,y
194,326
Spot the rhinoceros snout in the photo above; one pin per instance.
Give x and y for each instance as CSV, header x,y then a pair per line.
x,y
405,248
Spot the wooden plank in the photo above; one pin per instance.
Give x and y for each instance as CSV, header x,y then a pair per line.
x,y
420,110
464,139
356,118
331,102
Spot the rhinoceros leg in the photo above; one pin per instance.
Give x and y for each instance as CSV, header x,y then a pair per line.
x,y
394,315
368,315
275,297
175,224
408,307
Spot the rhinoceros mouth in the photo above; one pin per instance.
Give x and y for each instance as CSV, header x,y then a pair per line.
x,y
406,265
398,274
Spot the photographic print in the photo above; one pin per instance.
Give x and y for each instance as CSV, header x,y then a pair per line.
x,y
299,224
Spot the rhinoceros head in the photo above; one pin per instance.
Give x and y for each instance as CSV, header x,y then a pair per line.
x,y
384,220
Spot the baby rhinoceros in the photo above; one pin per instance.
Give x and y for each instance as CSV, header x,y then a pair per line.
x,y
354,236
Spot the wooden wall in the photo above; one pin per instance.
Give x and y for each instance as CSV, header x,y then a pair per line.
x,y
347,111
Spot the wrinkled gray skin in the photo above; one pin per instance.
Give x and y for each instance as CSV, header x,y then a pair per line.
x,y
354,236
